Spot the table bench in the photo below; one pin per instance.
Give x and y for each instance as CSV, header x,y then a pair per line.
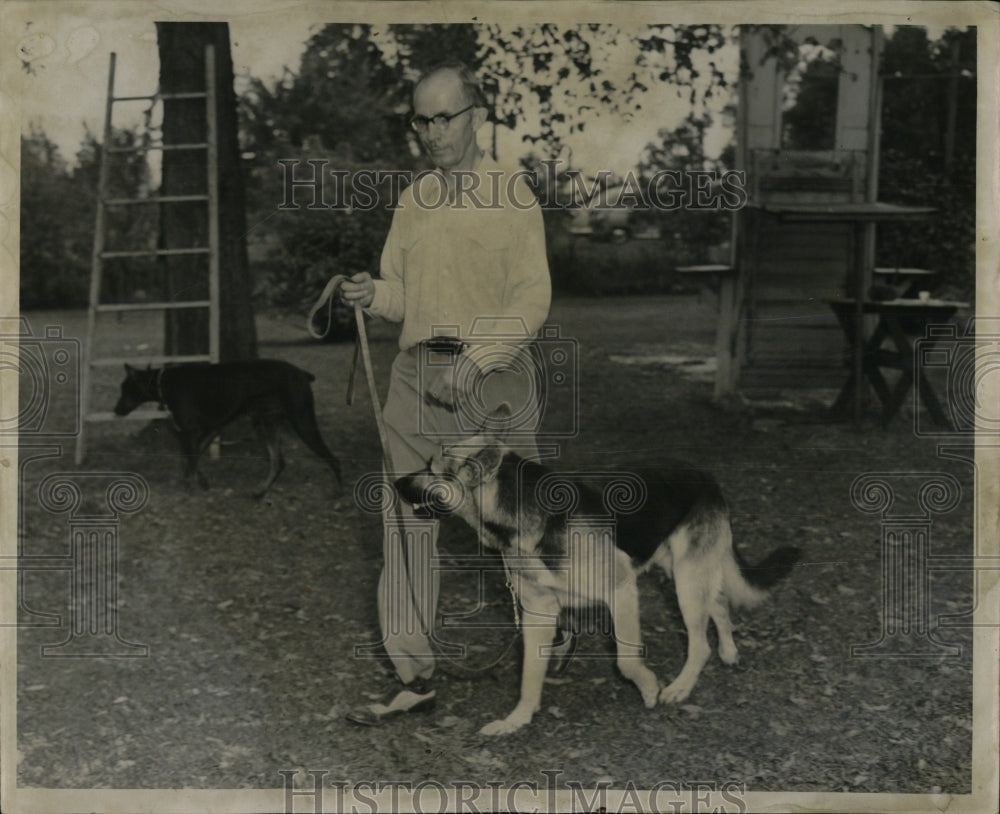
x,y
899,320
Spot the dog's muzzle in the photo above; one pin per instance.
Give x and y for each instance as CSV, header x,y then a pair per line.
x,y
431,495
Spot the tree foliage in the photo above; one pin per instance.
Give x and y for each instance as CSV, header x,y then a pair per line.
x,y
925,82
571,74
57,217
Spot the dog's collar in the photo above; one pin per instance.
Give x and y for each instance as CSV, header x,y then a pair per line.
x,y
159,388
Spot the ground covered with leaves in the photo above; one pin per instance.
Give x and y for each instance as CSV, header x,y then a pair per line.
x,y
251,611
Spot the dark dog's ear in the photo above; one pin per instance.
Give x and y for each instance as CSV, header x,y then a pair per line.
x,y
129,370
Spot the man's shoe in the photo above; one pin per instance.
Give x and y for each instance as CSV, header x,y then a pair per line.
x,y
562,652
417,696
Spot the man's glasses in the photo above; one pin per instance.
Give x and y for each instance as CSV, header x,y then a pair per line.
x,y
421,124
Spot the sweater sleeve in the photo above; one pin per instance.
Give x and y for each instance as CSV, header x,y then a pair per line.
x,y
388,302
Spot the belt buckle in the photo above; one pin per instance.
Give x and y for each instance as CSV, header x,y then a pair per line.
x,y
449,346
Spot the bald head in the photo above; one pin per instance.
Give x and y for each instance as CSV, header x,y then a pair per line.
x,y
454,78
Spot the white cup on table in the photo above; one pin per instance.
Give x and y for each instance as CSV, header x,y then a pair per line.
x,y
924,296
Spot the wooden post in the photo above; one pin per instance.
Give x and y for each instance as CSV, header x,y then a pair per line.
x,y
96,267
727,365
212,182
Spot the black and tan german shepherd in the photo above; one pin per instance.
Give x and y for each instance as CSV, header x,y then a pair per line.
x,y
674,517
204,398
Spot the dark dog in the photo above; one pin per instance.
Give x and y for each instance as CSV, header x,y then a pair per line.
x,y
204,398
679,522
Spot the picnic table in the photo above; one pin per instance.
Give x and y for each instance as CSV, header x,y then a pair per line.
x,y
861,216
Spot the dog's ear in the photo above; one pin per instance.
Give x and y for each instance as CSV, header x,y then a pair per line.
x,y
129,370
497,423
488,459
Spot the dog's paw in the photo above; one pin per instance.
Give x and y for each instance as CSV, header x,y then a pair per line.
x,y
674,693
728,653
650,689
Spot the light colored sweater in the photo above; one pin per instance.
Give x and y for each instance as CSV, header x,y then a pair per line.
x,y
473,267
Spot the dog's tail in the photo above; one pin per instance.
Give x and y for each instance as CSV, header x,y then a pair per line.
x,y
747,585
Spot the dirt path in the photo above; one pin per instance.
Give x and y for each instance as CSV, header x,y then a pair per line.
x,y
251,611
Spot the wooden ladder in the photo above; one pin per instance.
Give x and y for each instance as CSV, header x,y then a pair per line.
x,y
99,255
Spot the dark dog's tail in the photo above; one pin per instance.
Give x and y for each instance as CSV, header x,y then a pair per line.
x,y
747,585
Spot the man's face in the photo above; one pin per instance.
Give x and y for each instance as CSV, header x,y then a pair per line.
x,y
452,146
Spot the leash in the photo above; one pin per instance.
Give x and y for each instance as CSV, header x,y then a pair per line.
x,y
509,582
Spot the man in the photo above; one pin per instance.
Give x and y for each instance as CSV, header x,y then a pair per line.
x,y
465,258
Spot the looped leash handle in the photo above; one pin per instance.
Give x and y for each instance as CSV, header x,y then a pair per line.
x,y
326,298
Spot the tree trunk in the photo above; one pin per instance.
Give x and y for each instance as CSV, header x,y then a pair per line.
x,y
185,225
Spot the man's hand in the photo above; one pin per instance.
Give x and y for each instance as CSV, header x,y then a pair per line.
x,y
456,385
358,290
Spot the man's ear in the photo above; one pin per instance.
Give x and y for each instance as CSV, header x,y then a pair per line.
x,y
479,117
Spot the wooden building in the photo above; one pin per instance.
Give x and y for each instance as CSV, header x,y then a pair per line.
x,y
807,134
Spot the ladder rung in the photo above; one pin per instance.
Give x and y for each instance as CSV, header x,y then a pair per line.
x,y
154,199
194,94
190,94
146,415
152,306
139,361
144,148
154,253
